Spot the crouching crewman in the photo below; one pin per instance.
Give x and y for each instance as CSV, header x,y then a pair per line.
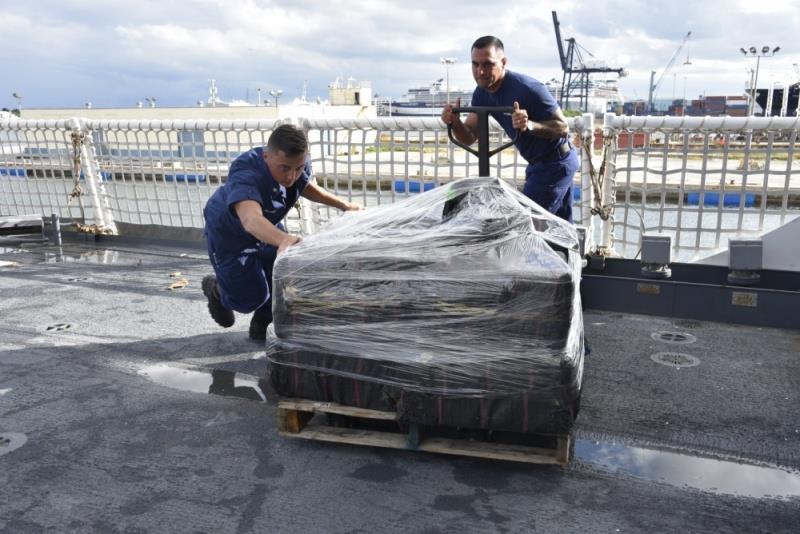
x,y
243,226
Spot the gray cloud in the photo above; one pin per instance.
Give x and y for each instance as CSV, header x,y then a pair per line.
x,y
116,53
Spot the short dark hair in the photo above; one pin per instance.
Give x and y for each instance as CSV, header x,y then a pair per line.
x,y
288,139
487,41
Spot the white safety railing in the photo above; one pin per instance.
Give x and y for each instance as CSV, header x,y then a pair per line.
x,y
40,169
700,180
377,161
163,172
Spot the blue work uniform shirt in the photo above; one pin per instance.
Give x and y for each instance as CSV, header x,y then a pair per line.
x,y
532,96
248,179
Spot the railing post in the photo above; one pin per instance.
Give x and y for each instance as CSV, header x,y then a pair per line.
x,y
587,191
309,211
607,235
103,217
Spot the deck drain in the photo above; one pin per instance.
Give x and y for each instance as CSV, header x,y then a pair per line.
x,y
58,327
675,359
10,441
677,338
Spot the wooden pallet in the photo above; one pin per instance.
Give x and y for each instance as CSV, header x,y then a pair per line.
x,y
296,419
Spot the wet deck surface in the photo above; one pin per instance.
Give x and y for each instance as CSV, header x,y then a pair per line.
x,y
104,379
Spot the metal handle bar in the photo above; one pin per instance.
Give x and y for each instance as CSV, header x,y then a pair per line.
x,y
483,152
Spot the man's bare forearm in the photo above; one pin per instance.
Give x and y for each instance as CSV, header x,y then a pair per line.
x,y
550,129
263,230
315,193
255,224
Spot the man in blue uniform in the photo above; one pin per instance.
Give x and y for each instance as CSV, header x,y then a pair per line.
x,y
244,230
543,131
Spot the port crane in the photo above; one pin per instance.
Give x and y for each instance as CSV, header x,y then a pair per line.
x,y
654,87
576,71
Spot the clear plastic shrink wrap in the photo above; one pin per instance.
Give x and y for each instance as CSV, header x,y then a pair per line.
x,y
458,307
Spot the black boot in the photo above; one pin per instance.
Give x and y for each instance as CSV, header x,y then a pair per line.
x,y
222,315
261,319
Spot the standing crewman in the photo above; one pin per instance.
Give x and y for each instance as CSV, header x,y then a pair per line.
x,y
243,226
543,131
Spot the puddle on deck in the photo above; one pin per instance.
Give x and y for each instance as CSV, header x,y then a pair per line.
x,y
673,468
682,469
213,381
43,253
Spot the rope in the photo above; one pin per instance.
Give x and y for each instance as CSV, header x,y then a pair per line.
x,y
77,192
598,178
78,140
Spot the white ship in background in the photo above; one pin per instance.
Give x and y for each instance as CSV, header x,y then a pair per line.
x,y
423,101
604,96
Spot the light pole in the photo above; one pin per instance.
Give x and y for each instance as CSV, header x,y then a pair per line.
x,y
276,93
447,61
758,54
683,100
19,103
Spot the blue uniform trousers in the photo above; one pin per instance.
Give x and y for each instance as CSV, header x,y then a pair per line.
x,y
549,184
245,280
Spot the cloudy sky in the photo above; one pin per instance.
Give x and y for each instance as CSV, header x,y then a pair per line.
x,y
62,53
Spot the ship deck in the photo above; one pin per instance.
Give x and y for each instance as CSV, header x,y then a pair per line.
x,y
104,399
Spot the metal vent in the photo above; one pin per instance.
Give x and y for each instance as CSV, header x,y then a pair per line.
x,y
675,359
677,338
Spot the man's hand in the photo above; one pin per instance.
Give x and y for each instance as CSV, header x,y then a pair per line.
x,y
519,118
352,206
553,128
287,242
448,117
464,131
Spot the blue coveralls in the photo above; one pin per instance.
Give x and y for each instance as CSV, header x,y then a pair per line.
x,y
242,264
551,167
